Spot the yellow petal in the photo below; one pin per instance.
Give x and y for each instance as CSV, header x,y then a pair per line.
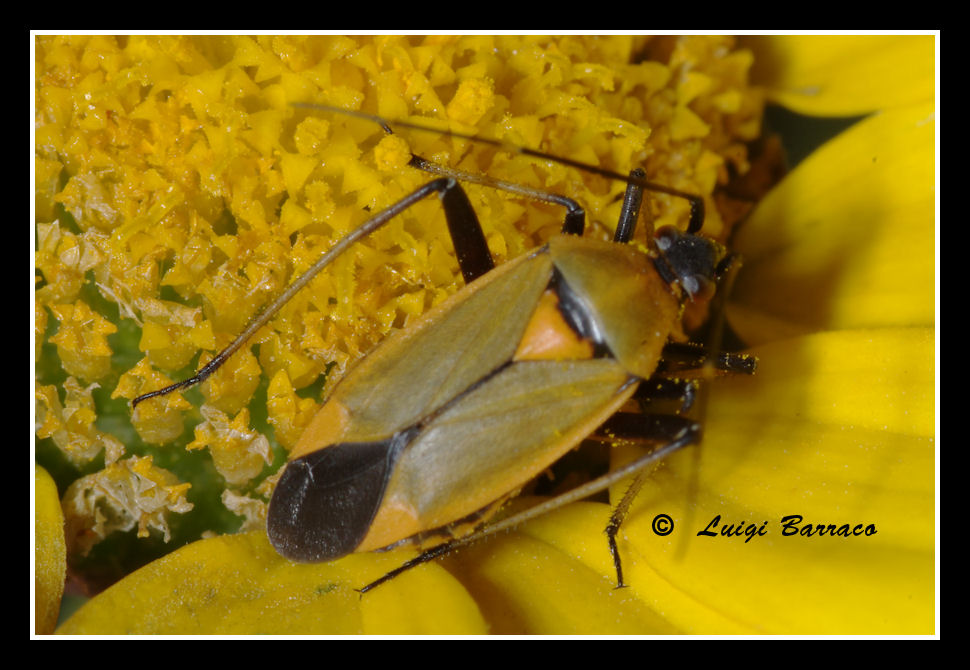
x,y
553,577
238,584
835,428
50,552
844,75
847,239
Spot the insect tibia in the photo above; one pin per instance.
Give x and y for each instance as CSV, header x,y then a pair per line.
x,y
457,209
428,555
199,377
165,391
575,222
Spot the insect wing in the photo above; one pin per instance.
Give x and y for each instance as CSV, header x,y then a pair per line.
x,y
491,441
439,422
347,454
416,371
325,501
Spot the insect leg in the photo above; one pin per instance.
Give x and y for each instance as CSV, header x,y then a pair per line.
x,y
471,248
457,208
574,223
663,428
424,557
678,431
683,356
575,219
631,207
659,389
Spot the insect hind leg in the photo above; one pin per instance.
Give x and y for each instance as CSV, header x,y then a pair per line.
x,y
472,250
671,432
422,558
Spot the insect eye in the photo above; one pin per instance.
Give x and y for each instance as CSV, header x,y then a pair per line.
x,y
698,287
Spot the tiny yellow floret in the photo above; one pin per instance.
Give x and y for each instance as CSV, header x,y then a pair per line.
x,y
391,153
473,99
81,342
126,494
238,452
289,414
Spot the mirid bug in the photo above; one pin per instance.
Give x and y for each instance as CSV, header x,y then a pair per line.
x,y
427,436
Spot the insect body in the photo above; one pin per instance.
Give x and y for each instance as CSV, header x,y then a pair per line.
x,y
476,399
447,419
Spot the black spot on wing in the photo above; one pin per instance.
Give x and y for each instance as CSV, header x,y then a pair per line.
x,y
325,501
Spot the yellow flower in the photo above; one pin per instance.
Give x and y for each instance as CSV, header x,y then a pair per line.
x,y
837,294
223,192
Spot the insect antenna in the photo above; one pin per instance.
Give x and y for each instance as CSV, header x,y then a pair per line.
x,y
697,211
